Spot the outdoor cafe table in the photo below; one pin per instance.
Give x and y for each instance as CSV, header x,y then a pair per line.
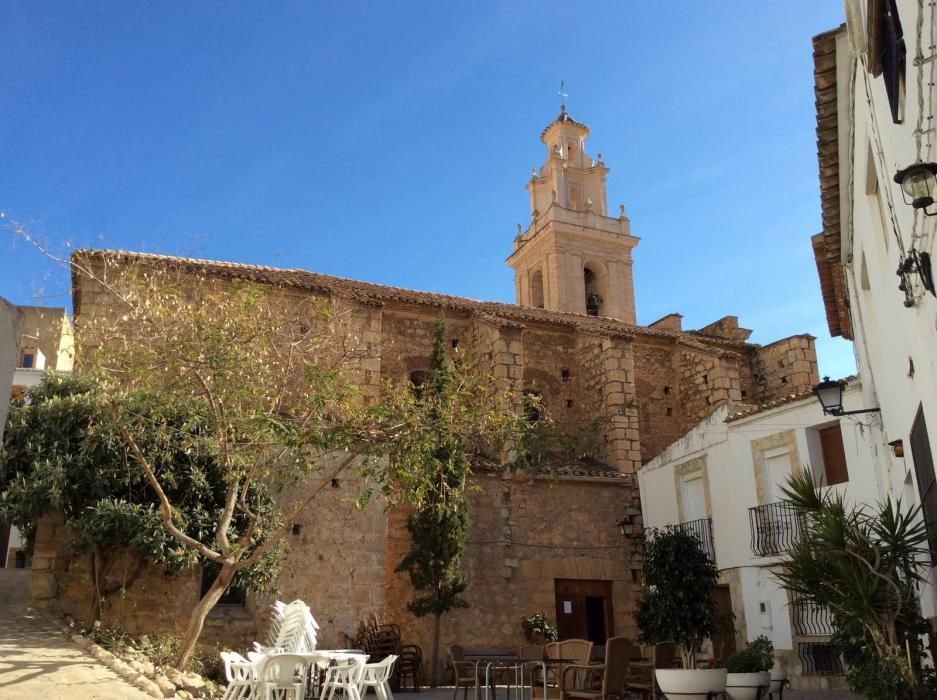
x,y
518,665
318,659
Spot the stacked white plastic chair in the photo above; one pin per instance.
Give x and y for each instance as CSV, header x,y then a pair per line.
x,y
282,677
343,676
377,676
292,630
240,674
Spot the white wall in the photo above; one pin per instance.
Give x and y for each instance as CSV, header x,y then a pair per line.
x,y
730,468
888,336
11,325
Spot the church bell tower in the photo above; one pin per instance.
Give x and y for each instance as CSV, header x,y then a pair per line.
x,y
573,255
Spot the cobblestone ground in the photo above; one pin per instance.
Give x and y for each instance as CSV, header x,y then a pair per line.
x,y
37,661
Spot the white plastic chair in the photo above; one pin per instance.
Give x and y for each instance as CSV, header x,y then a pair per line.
x,y
282,677
344,676
239,673
376,676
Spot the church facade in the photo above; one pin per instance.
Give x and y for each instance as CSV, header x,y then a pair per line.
x,y
565,544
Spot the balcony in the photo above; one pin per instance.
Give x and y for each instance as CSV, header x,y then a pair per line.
x,y
703,531
820,659
809,619
775,528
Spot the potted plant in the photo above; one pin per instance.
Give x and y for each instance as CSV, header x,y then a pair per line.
x,y
537,627
749,669
678,607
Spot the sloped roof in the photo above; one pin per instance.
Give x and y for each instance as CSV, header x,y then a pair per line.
x,y
751,410
827,246
563,118
585,467
370,293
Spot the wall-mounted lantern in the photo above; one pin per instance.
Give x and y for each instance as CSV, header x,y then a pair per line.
x,y
897,447
915,263
919,185
830,395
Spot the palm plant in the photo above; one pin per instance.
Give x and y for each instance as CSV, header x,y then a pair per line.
x,y
865,566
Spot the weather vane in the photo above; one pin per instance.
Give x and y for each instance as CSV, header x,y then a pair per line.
x,y
563,95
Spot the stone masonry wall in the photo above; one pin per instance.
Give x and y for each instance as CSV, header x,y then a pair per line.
x,y
524,534
785,367
608,390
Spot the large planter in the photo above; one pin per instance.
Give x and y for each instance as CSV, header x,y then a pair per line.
x,y
778,678
691,684
744,686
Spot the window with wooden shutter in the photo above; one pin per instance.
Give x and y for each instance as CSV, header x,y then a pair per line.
x,y
926,480
834,457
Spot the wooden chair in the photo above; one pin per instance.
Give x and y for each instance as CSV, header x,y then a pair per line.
x,y
463,673
645,684
612,674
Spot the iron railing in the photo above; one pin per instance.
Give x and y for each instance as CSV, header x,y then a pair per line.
x,y
809,619
775,528
702,530
820,659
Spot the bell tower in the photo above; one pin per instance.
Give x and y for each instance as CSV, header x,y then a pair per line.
x,y
573,255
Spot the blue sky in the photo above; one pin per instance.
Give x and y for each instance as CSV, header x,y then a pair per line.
x,y
390,141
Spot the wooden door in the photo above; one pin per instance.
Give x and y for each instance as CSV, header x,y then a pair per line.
x,y
724,639
584,609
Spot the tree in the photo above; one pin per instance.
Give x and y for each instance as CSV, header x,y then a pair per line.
x,y
63,451
283,377
865,566
439,529
677,605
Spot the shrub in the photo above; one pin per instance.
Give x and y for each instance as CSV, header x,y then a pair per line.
x,y
539,623
746,660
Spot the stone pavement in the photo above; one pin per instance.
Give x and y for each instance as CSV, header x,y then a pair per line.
x,y
38,661
445,693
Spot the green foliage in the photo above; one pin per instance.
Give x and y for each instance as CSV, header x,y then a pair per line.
x,y
864,566
749,660
677,605
539,624
62,451
439,528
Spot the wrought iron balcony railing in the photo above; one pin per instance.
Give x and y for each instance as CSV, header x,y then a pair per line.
x,y
810,619
775,528
703,531
820,659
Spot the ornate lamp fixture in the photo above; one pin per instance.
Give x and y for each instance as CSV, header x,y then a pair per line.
x,y
830,395
919,184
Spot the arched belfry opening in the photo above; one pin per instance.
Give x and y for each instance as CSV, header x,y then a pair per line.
x,y
591,285
536,289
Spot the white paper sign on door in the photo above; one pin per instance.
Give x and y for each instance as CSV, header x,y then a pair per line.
x,y
567,606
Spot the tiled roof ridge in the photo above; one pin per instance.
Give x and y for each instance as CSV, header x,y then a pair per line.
x,y
357,288
754,409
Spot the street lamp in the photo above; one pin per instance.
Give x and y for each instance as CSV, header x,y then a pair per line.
x,y
830,395
919,183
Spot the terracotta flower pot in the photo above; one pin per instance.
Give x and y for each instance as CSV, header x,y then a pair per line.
x,y
691,684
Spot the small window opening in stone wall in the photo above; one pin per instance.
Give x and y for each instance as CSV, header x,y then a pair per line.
x,y
783,380
744,394
455,343
705,379
335,483
564,373
669,411
296,529
569,403
666,390
232,596
418,381
636,576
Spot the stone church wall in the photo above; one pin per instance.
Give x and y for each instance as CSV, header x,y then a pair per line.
x,y
524,534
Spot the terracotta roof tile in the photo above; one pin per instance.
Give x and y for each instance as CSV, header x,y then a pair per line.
x,y
744,411
827,245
